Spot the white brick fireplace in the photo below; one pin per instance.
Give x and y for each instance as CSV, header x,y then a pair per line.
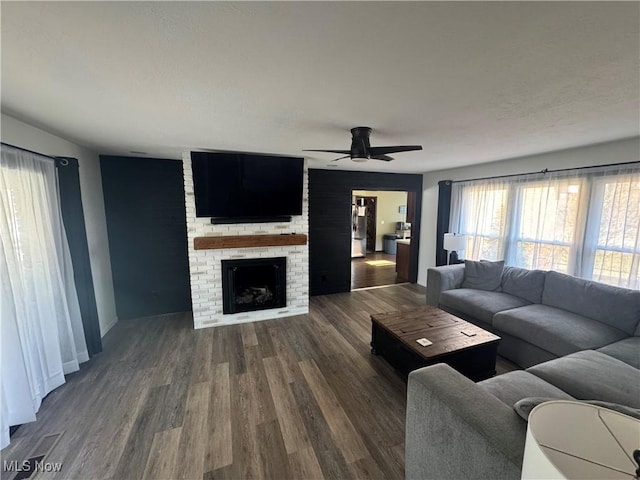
x,y
205,266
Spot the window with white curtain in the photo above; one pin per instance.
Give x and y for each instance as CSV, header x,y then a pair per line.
x,y
583,222
483,218
613,236
41,333
546,226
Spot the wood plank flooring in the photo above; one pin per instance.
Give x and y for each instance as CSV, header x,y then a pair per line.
x,y
365,273
299,397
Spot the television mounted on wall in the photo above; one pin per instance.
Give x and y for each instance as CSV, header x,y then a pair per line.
x,y
235,187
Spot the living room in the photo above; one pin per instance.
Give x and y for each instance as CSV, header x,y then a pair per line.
x,y
487,90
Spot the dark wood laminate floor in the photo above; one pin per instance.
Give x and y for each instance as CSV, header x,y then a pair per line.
x,y
299,397
374,270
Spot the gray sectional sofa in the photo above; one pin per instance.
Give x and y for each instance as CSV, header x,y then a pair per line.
x,y
576,339
543,315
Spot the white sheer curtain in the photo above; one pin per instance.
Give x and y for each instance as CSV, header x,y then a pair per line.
x,y
581,222
479,210
612,249
42,335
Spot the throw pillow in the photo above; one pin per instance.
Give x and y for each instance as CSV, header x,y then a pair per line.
x,y
483,275
523,407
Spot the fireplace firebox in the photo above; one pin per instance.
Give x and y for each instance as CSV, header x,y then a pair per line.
x,y
253,284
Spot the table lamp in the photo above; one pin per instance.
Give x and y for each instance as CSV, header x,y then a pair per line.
x,y
574,440
454,243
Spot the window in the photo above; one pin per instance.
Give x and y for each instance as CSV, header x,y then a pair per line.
x,y
616,233
484,221
584,223
547,225
42,328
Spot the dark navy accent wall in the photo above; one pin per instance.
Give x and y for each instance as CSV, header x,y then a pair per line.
x,y
145,210
330,223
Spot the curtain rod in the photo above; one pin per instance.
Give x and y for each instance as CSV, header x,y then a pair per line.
x,y
30,151
546,170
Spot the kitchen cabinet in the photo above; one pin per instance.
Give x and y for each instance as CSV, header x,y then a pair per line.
x,y
403,259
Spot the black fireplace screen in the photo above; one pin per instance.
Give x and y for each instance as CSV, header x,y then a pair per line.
x,y
253,284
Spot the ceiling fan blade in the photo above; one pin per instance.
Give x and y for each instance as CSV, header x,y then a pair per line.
x,y
386,158
346,152
340,158
375,151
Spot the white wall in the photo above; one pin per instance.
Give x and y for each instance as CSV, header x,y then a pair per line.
x,y
621,151
23,135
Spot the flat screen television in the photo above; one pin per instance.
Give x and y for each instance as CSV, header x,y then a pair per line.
x,y
239,186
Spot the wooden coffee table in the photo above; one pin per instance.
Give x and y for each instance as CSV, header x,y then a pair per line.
x,y
394,335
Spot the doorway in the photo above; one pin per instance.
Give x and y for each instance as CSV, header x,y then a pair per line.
x,y
381,221
330,200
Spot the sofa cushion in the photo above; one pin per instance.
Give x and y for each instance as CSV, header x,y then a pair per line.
x,y
479,303
615,306
591,375
483,275
523,283
627,350
555,330
514,386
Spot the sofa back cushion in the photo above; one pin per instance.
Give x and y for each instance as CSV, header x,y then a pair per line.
x,y
523,283
483,275
615,306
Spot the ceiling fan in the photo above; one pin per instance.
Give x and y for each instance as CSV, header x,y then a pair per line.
x,y
361,150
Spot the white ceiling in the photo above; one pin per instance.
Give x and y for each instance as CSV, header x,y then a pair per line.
x,y
472,82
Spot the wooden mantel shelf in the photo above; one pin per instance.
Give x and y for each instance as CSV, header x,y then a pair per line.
x,y
248,241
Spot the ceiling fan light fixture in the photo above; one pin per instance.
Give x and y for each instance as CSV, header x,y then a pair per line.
x,y
361,151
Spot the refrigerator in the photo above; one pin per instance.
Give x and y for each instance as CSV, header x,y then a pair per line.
x,y
358,231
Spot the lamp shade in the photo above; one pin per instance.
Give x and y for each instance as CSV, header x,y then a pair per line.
x,y
574,440
454,242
